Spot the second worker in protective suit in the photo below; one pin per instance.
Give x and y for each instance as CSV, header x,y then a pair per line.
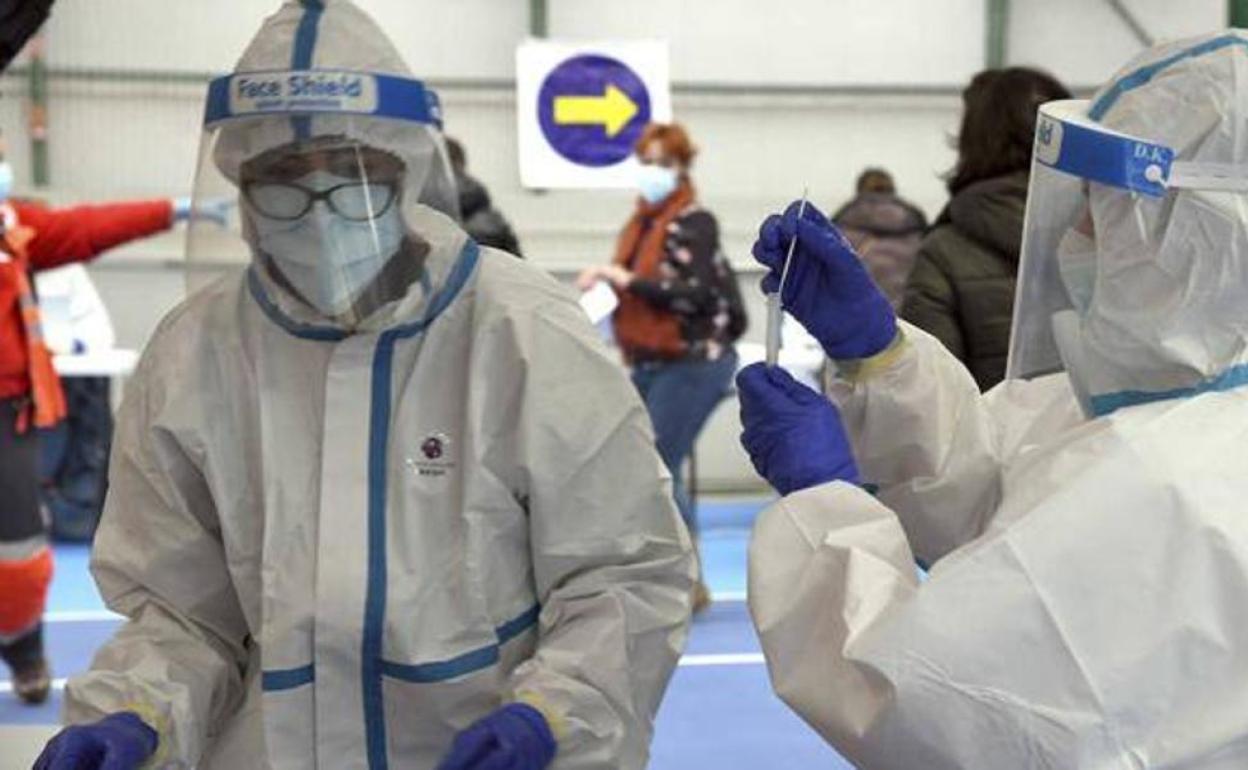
x,y
381,499
1084,521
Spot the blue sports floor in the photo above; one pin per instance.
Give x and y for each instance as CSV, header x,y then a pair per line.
x,y
719,711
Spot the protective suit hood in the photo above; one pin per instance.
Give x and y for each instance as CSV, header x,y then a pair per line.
x,y
1168,314
347,204
1165,315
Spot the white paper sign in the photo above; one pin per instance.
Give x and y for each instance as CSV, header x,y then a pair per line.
x,y
581,108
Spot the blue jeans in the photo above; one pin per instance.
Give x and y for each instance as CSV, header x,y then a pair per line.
x,y
74,459
680,396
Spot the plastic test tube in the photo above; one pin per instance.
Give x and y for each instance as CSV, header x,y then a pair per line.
x,y
775,310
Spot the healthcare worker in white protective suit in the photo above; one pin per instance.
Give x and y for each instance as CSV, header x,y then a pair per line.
x,y
1087,604
382,499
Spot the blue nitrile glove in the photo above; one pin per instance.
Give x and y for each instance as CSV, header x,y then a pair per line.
x,y
119,741
215,210
827,290
793,435
514,737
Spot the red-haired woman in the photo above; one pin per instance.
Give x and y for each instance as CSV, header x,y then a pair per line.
x,y
680,309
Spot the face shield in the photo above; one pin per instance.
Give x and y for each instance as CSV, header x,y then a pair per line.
x,y
345,198
1116,290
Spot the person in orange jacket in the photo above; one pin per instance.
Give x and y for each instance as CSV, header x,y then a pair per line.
x,y
33,238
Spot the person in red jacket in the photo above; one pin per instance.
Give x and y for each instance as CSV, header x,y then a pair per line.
x,y
35,238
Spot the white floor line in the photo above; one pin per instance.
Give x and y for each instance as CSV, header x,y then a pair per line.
x,y
80,616
7,686
725,659
688,661
692,661
88,616
722,659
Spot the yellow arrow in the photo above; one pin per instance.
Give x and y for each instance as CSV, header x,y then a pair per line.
x,y
613,110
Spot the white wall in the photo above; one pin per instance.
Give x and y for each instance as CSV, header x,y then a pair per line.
x,y
449,39
1085,42
808,42
779,95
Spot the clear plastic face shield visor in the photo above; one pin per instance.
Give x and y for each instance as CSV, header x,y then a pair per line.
x,y
1059,264
335,179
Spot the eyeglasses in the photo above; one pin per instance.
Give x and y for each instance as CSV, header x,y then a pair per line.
x,y
356,201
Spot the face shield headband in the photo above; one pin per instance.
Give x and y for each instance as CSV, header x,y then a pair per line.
x,y
1056,274
1069,142
303,93
328,234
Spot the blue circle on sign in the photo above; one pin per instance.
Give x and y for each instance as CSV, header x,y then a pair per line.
x,y
592,110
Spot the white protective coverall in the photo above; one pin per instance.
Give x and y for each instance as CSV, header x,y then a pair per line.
x,y
338,546
1087,606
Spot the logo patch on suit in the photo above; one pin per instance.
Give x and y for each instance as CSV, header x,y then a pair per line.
x,y
433,448
433,458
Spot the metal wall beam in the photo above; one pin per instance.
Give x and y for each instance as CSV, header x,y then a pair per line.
x,y
61,76
539,19
1133,23
37,123
996,33
1237,13
100,76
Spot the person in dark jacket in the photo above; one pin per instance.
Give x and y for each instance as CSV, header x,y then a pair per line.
x,y
482,221
962,287
875,180
885,231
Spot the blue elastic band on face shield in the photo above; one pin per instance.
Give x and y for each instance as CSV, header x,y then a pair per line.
x,y
1096,155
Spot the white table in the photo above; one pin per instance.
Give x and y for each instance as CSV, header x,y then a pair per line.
x,y
800,355
117,362
804,362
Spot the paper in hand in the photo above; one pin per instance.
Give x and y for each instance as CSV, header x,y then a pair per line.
x,y
599,302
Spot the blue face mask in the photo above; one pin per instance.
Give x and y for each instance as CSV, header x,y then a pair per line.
x,y
656,183
6,181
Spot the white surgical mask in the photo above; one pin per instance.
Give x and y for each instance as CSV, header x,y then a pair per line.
x,y
6,181
1076,262
656,183
327,258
